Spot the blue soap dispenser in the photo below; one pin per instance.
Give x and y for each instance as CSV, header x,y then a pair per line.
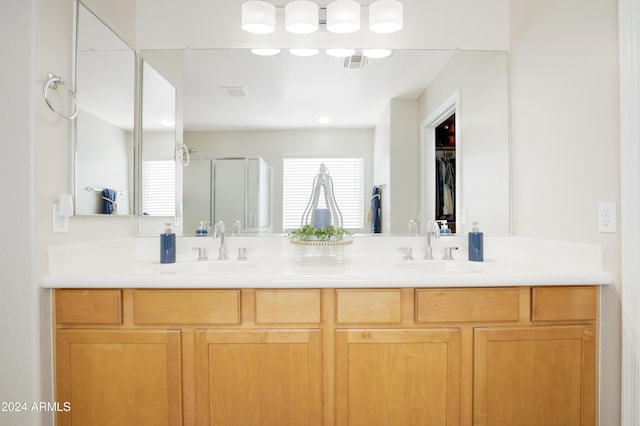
x,y
476,246
168,245
444,229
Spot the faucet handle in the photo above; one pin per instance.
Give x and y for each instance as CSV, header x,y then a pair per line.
x,y
218,228
413,227
242,253
237,227
408,253
447,253
202,253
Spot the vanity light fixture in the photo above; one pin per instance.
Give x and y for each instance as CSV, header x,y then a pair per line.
x,y
386,16
343,16
258,17
301,17
304,52
304,17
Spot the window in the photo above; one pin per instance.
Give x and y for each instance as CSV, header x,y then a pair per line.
x,y
347,174
159,188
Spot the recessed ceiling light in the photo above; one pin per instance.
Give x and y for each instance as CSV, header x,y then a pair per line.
x,y
340,53
376,53
304,52
265,52
324,120
167,123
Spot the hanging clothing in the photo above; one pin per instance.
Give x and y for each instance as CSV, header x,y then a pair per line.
x,y
445,188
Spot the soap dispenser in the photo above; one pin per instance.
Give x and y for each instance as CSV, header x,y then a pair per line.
x,y
444,228
168,245
476,246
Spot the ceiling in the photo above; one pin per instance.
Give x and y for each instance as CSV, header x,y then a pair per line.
x,y
286,91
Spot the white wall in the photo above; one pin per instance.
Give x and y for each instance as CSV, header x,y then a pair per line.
x,y
21,349
382,166
404,164
396,164
565,129
272,145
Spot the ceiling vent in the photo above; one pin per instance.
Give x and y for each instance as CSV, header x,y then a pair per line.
x,y
234,92
355,62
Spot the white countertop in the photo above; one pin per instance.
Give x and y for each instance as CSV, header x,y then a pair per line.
x,y
372,261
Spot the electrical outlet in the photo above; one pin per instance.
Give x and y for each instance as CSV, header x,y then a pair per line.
x,y
607,217
464,218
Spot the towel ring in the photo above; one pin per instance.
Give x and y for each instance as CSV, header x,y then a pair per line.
x,y
184,151
52,83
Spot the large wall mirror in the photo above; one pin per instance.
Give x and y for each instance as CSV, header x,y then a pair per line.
x,y
238,104
158,166
104,132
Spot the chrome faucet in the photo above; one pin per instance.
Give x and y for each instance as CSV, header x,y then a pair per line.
x,y
432,226
219,230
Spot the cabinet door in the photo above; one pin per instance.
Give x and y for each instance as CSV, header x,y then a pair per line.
x,y
261,377
119,378
535,376
398,377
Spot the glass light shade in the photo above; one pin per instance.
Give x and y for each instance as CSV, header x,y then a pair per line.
x,y
304,52
376,53
340,53
258,17
385,16
265,52
301,17
343,16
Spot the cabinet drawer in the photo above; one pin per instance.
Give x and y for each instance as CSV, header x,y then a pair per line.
x,y
88,306
462,305
186,306
563,303
382,306
287,306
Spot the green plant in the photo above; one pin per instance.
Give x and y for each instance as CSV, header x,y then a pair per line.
x,y
309,233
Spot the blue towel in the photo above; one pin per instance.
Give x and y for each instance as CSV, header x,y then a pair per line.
x,y
109,205
376,210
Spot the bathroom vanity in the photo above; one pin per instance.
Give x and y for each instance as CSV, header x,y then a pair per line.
x,y
401,356
346,350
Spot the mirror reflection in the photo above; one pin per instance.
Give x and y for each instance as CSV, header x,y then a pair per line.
x,y
232,190
158,145
104,141
237,104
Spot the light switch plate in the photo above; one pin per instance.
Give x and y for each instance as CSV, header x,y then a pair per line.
x,y
60,223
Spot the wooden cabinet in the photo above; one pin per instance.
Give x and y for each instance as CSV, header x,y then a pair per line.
x,y
270,377
535,376
116,378
384,356
398,377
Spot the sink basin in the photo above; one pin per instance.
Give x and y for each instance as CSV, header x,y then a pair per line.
x,y
209,267
437,266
